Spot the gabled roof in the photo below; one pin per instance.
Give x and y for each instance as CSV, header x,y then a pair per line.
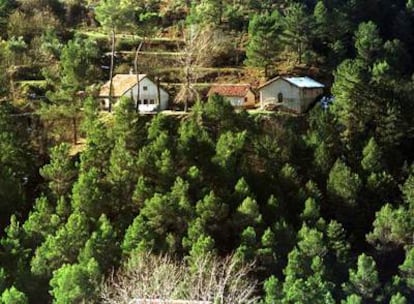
x,y
300,82
230,90
121,83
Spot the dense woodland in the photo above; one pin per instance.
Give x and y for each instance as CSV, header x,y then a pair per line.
x,y
318,207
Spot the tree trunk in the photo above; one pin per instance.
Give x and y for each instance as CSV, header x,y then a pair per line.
x,y
75,131
10,72
111,68
239,45
220,12
159,93
300,52
188,89
13,96
136,73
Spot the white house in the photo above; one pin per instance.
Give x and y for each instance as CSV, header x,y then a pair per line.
x,y
239,95
293,93
151,96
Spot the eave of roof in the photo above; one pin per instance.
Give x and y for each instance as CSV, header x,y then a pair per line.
x,y
231,90
121,84
300,82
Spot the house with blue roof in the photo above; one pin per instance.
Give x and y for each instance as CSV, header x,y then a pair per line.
x,y
294,94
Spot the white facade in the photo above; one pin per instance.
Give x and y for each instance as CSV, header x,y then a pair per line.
x,y
148,96
281,91
151,97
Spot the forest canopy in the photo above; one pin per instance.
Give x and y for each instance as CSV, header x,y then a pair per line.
x,y
268,207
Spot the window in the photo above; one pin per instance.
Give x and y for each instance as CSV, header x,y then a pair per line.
x,y
145,101
236,102
152,101
280,97
145,88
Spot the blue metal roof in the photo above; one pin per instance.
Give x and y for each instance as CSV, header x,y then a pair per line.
x,y
304,82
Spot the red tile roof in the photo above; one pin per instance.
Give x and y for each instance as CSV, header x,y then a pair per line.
x,y
234,90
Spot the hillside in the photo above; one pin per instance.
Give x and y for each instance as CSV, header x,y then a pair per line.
x,y
214,203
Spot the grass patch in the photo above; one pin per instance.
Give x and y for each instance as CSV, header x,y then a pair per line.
x,y
37,83
123,36
271,113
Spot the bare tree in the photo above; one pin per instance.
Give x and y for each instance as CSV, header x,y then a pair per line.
x,y
113,15
209,279
138,49
145,26
201,45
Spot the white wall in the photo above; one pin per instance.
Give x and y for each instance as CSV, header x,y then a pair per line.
x,y
291,94
235,101
148,97
309,96
295,98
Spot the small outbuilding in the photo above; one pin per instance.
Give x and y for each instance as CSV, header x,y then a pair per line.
x,y
152,97
292,93
239,95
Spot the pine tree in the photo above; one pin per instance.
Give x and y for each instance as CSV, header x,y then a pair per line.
x,y
14,296
372,157
102,246
246,251
41,222
407,270
16,164
368,42
364,280
343,188
14,256
60,171
122,177
77,64
247,214
311,212
76,283
352,299
161,222
322,21
206,12
267,252
353,103
229,151
87,194
127,125
308,289
201,247
273,290
62,247
398,299
113,15
264,41
392,228
213,213
3,278
193,139
323,138
98,147
297,29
